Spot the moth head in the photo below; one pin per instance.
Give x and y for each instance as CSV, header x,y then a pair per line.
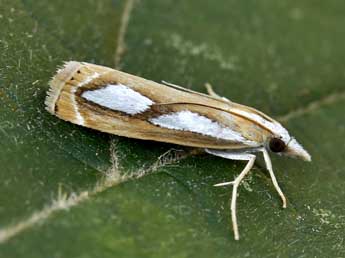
x,y
289,148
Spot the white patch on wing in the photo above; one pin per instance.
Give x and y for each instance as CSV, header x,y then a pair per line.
x,y
120,98
193,122
79,119
88,79
275,127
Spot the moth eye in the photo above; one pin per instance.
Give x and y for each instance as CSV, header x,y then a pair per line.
x,y
277,145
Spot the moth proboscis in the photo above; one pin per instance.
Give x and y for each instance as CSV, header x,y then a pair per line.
x,y
118,103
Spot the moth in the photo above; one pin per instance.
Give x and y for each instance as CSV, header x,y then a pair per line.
x,y
122,104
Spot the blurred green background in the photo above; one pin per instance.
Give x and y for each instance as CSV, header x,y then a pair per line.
x,y
285,58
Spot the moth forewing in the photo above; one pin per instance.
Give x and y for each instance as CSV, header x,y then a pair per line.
x,y
115,102
119,103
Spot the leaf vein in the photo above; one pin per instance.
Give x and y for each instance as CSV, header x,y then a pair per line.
x,y
113,177
313,106
121,45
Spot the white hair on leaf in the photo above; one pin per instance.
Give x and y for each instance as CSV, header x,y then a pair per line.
x,y
193,122
119,98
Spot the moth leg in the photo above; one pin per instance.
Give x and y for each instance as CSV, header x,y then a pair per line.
x,y
212,93
235,156
273,177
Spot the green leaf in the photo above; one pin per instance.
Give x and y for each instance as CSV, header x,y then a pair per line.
x,y
68,191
